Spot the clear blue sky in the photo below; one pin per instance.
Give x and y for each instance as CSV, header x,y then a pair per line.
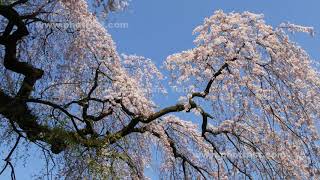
x,y
160,28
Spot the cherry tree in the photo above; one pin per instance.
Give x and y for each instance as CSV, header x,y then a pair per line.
x,y
66,91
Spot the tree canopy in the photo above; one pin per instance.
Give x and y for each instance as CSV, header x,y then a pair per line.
x,y
65,89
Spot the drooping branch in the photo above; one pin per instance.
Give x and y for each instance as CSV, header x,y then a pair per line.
x,y
8,159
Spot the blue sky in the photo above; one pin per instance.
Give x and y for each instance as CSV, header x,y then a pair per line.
x,y
160,28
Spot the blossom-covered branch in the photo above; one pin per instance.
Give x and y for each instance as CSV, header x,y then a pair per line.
x,y
69,92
